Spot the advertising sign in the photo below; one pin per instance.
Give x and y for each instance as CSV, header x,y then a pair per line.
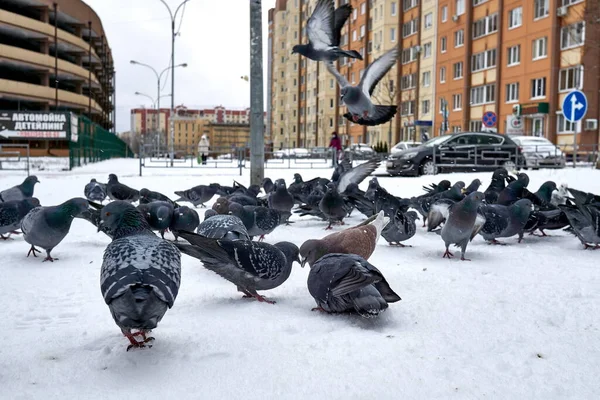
x,y
514,125
34,125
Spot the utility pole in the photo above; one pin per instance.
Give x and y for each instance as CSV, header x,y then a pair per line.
x,y
257,140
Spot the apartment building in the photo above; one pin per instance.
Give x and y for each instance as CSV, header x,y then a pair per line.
x,y
458,60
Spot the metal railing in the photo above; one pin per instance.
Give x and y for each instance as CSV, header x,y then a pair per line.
x,y
13,158
476,156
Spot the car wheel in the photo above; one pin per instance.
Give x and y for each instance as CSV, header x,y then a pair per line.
x,y
428,167
510,165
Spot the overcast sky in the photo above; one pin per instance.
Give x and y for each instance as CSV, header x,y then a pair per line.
x,y
214,42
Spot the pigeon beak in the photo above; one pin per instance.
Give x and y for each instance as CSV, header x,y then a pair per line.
x,y
303,262
463,190
99,226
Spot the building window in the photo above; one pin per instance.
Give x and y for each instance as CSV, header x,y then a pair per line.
x,y
515,18
407,108
442,74
484,60
392,34
475,126
514,55
564,126
363,8
428,21
540,9
460,7
540,48
485,26
570,78
354,37
408,81
425,106
362,31
538,88
410,27
443,44
569,2
409,55
354,14
512,92
459,38
483,94
427,50
408,4
456,102
572,35
457,70
444,13
426,78
393,8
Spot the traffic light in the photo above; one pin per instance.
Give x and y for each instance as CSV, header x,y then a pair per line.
x,y
517,110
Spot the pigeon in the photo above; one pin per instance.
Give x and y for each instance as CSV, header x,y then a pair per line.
x,y
227,227
514,190
184,219
281,200
496,186
438,210
420,203
358,98
259,221
267,185
300,190
559,197
332,206
140,273
357,199
46,227
249,265
148,196
505,221
12,213
348,283
360,239
585,223
20,192
463,224
473,187
401,227
323,32
95,191
385,201
92,215
119,191
242,199
221,206
198,195
158,214
434,188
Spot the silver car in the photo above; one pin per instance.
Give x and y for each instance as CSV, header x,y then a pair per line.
x,y
539,152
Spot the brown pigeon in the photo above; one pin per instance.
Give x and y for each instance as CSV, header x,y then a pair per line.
x,y
360,240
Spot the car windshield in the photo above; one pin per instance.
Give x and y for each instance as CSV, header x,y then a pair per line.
x,y
437,140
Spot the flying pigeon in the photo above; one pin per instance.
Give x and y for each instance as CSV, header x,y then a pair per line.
x,y
401,227
281,200
198,195
184,219
348,283
505,221
463,224
358,98
227,227
323,32
119,191
158,214
140,273
95,191
249,265
360,239
259,221
12,213
46,227
148,196
20,192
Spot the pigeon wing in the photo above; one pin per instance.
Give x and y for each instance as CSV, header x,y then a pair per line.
x,y
356,174
479,223
377,70
319,28
340,16
341,79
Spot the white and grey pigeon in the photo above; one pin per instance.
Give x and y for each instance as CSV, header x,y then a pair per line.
x,y
227,227
358,98
559,196
249,265
140,274
46,227
12,213
20,192
323,30
95,191
348,283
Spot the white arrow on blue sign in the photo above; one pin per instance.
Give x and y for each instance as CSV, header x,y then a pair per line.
x,y
574,106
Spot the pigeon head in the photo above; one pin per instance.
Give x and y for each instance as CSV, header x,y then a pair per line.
x,y
32,202
210,213
164,213
253,190
523,178
235,209
215,185
476,197
311,251
121,218
297,178
547,188
112,178
500,173
522,207
31,180
93,180
221,206
75,207
303,49
472,187
290,250
331,187
144,192
444,185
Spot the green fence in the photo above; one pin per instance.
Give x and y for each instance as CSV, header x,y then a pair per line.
x,y
92,143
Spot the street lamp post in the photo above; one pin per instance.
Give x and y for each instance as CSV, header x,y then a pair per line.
x,y
156,119
172,123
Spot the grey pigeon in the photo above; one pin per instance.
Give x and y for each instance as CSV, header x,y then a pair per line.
x,y
422,204
463,224
158,214
438,210
401,227
514,191
148,196
281,200
12,213
184,219
20,192
227,227
332,206
358,98
119,191
249,265
357,199
323,31
259,221
95,191
473,186
140,273
505,221
497,185
46,227
267,185
348,283
585,223
198,195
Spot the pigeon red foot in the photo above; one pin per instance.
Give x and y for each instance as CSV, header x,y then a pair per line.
x,y
447,254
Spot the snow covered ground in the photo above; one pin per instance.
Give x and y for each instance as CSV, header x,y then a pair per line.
x,y
518,322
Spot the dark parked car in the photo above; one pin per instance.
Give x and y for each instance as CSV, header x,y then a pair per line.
x,y
464,151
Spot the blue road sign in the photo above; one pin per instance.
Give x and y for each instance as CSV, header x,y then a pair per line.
x,y
574,106
489,119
